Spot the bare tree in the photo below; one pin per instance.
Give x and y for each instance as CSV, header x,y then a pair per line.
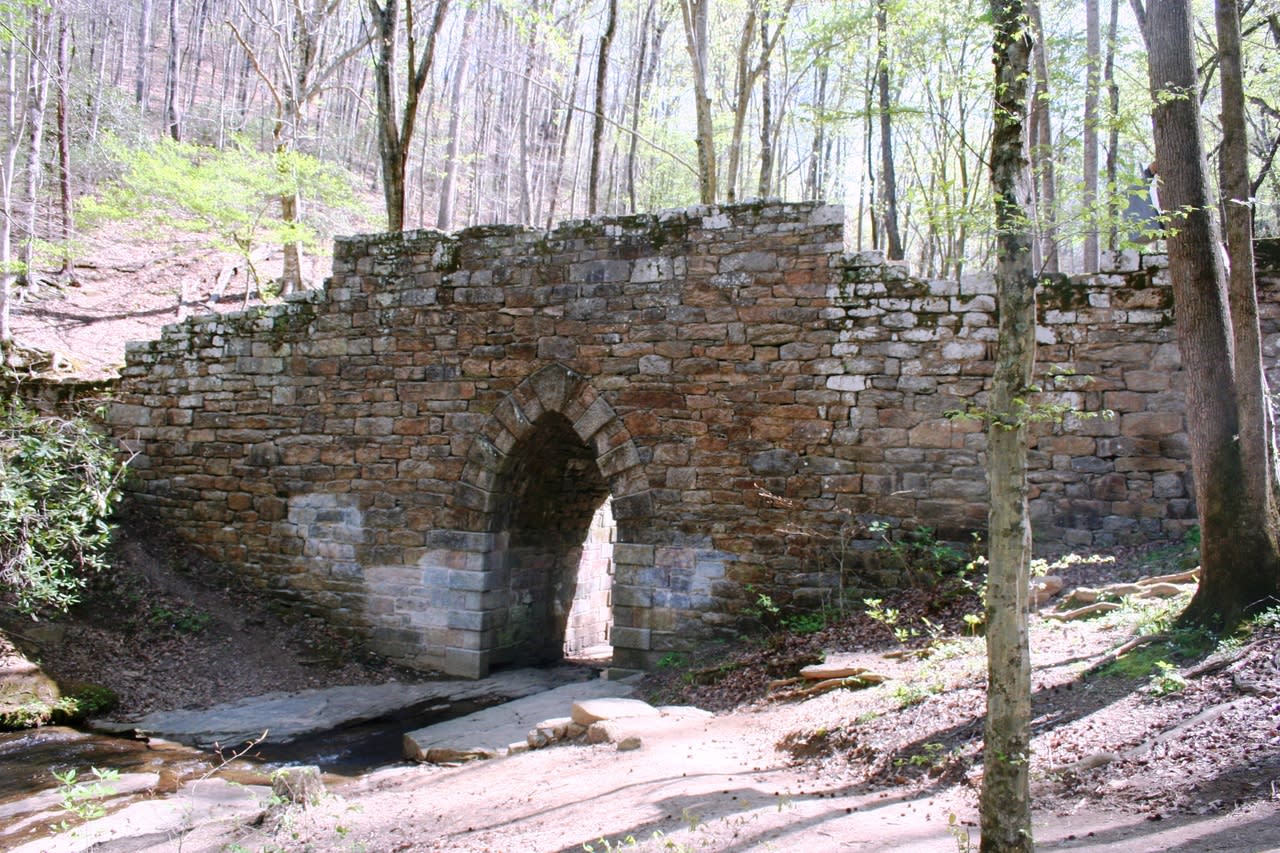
x,y
395,135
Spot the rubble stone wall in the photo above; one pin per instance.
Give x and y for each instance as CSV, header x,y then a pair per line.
x,y
417,450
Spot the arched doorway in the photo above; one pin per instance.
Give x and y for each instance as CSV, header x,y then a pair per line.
x,y
552,525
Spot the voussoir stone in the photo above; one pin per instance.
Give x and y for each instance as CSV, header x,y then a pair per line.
x,y
588,711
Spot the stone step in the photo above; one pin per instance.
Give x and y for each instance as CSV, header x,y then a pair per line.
x,y
488,733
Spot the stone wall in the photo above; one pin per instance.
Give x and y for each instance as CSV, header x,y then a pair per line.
x,y
417,451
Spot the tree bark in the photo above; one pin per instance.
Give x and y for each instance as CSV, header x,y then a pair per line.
x,y
694,14
394,137
597,128
888,180
65,208
1239,561
1005,800
1042,154
171,108
1093,62
142,76
37,99
449,189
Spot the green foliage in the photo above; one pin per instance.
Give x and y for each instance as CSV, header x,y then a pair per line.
x,y
186,620
59,480
672,660
919,553
231,194
1166,680
80,798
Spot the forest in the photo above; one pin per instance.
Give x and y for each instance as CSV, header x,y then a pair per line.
x,y
289,120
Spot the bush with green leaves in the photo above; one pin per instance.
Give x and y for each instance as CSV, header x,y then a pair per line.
x,y
59,481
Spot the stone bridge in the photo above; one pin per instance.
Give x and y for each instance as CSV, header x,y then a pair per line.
x,y
481,449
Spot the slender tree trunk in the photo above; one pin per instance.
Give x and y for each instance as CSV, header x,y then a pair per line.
x,y
694,13
888,180
1042,154
1093,61
1238,556
558,171
765,182
1005,800
37,99
637,96
171,108
65,208
142,76
395,137
10,138
1113,125
449,189
597,128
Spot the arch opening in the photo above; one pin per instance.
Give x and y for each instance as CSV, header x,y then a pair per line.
x,y
554,529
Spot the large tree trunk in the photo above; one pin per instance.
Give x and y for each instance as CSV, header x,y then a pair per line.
x,y
1006,800
1237,541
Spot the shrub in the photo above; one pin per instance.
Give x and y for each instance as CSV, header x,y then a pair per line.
x,y
59,480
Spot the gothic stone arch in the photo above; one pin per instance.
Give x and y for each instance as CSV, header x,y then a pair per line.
x,y
551,452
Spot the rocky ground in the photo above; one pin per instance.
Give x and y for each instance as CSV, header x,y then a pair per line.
x,y
1128,755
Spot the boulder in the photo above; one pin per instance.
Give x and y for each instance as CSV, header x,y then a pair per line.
x,y
301,786
585,712
1044,588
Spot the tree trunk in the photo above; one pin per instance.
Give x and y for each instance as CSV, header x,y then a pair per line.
x,y
1237,542
449,189
171,108
1093,61
37,99
8,53
694,13
571,102
1042,154
597,129
888,181
142,77
765,181
1005,800
65,208
394,137
1113,125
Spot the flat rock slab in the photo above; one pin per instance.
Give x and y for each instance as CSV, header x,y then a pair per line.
x,y
588,711
287,716
158,823
487,733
